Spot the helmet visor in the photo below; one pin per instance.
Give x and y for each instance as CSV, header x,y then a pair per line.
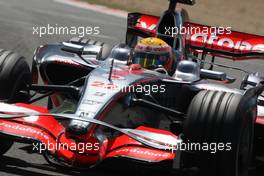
x,y
148,60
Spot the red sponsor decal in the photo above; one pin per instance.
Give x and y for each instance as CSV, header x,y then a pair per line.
x,y
104,85
148,23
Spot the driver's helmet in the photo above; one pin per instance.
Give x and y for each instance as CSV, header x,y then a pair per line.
x,y
153,53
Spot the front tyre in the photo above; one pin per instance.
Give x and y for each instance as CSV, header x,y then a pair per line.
x,y
15,76
221,118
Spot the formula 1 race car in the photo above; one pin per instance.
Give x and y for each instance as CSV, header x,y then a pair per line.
x,y
102,108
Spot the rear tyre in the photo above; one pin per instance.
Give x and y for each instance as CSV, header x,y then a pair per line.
x,y
84,41
220,118
15,77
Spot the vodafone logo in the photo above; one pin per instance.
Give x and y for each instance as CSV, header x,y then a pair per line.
x,y
143,152
227,42
24,129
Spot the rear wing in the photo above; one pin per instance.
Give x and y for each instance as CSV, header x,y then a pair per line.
x,y
142,24
145,25
215,41
223,42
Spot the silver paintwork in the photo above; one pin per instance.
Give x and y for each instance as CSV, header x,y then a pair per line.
x,y
187,71
260,111
116,86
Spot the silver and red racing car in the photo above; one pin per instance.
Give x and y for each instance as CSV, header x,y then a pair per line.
x,y
104,106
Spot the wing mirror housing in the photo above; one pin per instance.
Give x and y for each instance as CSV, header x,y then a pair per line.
x,y
214,75
82,50
252,80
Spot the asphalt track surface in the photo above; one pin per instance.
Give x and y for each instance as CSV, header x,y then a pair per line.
x,y
17,19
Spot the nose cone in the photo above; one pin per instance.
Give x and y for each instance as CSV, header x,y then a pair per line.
x,y
77,128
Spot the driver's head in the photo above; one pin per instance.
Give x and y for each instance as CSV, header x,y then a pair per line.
x,y
153,53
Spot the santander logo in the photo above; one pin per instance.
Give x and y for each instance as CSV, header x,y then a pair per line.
x,y
227,42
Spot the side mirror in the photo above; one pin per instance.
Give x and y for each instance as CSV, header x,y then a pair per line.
x,y
92,50
253,80
214,75
83,50
72,48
